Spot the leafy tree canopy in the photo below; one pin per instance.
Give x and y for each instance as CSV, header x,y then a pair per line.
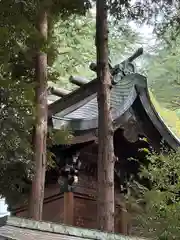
x,y
163,76
161,217
74,39
18,42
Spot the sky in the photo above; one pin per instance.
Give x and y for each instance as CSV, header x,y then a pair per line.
x,y
145,30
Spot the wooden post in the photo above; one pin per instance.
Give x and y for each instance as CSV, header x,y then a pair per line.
x,y
122,216
69,208
123,223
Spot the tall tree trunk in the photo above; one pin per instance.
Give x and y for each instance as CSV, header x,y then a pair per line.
x,y
105,128
40,130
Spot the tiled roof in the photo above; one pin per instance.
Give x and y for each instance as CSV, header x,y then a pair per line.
x,y
122,96
119,94
82,115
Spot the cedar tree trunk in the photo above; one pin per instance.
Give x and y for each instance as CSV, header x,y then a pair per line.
x,y
40,129
105,128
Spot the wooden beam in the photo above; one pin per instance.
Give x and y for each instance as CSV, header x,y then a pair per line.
x,y
135,55
69,208
59,92
123,222
79,81
93,66
122,215
73,100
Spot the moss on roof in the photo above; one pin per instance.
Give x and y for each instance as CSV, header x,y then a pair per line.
x,y
26,229
169,116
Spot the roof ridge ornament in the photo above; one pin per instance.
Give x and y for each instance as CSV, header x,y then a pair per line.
x,y
126,67
122,69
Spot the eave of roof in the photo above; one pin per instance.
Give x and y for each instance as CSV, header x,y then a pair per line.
x,y
78,110
164,130
78,97
83,115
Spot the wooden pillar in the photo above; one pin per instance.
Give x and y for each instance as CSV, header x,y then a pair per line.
x,y
122,216
69,208
123,223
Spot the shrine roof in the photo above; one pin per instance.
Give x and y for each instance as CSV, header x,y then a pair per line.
x,y
78,110
25,229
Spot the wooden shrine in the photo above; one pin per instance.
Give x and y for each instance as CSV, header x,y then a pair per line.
x,y
70,195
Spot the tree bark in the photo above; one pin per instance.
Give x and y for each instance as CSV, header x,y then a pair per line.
x,y
40,129
105,128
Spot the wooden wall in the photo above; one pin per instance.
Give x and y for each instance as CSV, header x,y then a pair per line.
x,y
85,195
85,205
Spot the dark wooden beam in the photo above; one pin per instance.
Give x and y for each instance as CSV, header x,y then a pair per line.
x,y
59,92
79,81
93,66
74,100
135,55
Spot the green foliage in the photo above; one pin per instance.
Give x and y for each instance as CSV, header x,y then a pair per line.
x,y
56,137
16,126
162,70
169,116
161,217
163,76
18,42
74,39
